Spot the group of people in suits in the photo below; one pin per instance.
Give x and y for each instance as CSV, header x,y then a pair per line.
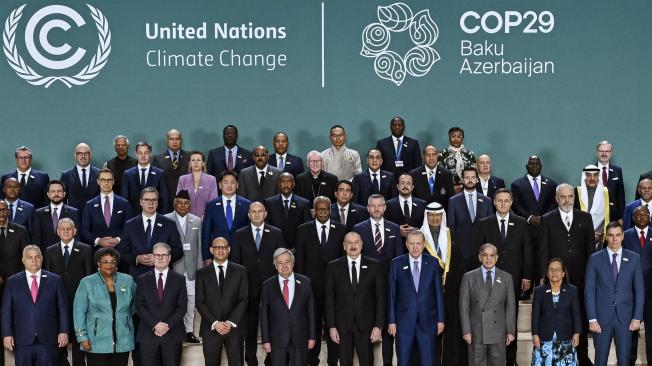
x,y
237,224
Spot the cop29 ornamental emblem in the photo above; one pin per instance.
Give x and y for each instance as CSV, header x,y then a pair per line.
x,y
51,17
393,19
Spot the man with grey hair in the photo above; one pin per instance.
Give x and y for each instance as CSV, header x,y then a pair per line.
x,y
81,180
33,183
611,177
339,159
161,303
287,314
567,233
315,182
121,162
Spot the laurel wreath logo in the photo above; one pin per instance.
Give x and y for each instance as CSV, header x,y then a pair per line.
x,y
23,70
396,18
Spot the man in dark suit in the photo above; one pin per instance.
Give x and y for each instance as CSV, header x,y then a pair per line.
x,y
614,296
260,181
400,153
431,181
253,247
287,314
316,181
509,233
639,240
174,162
283,160
161,302
142,176
121,161
381,240
230,156
13,238
487,183
35,316
105,215
611,177
72,261
319,242
221,294
224,214
20,212
415,302
465,210
567,233
644,193
533,196
373,180
33,183
286,210
46,219
344,210
405,210
356,299
143,231
81,180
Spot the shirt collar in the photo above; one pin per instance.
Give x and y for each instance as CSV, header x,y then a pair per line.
x,y
290,279
415,259
165,272
146,167
29,274
110,195
319,224
284,156
264,170
261,227
59,206
69,244
506,218
26,172
289,198
619,252
645,229
153,218
226,262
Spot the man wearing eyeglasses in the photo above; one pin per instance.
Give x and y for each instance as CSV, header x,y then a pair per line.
x,y
221,295
161,302
81,180
33,183
143,231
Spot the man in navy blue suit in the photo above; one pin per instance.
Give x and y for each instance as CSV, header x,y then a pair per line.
x,y
20,212
35,312
465,210
400,153
373,180
224,214
46,219
142,176
284,160
614,296
415,305
81,180
639,240
611,176
344,210
33,183
105,215
644,191
488,183
143,231
230,156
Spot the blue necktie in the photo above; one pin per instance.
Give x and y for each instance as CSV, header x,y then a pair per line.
x,y
257,238
399,147
148,232
66,255
281,162
229,214
431,183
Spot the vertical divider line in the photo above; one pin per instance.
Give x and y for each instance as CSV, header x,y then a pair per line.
x,y
323,79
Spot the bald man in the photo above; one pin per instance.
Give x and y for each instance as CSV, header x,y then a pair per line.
x,y
174,162
259,181
81,180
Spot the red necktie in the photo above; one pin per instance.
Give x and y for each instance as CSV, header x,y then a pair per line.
x,y
34,289
286,293
159,287
642,239
604,176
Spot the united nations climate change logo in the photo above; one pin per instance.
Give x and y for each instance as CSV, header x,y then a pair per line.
x,y
52,12
397,18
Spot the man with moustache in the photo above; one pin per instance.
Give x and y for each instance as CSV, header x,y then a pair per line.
x,y
592,197
344,210
121,161
46,219
174,161
287,211
260,181
81,180
487,182
20,212
400,153
567,233
283,160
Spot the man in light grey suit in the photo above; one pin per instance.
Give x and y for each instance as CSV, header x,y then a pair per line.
x,y
487,310
189,227
259,181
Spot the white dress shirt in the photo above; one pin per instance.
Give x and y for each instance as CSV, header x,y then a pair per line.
x,y
506,218
153,218
165,277
29,278
319,225
357,267
291,286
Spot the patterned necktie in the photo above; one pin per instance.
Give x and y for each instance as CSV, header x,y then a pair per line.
x,y
399,147
431,182
229,214
614,265
66,255
378,239
503,232
374,183
143,179
229,160
281,163
568,223
107,211
535,188
343,216
159,287
148,232
322,240
34,289
415,275
604,176
471,207
84,181
406,211
55,219
354,274
488,284
257,239
286,293
175,160
642,239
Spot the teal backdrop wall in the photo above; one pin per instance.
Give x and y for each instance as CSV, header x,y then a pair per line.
x,y
598,87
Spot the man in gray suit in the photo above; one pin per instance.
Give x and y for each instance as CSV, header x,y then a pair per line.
x,y
487,310
189,227
259,181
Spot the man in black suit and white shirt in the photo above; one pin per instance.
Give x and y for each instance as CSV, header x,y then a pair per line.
x,y
259,181
253,247
373,180
487,182
46,219
316,181
611,176
344,210
283,160
356,299
405,210
431,181
221,295
400,153
81,180
229,156
286,210
33,183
